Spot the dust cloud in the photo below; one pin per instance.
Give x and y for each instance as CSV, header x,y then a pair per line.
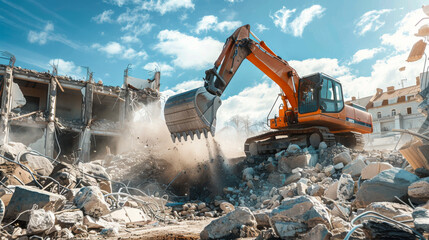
x,y
199,166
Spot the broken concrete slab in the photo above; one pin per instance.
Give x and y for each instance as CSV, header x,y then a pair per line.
x,y
294,161
343,157
345,188
421,219
127,215
39,164
98,223
294,177
319,232
373,169
40,221
331,191
223,227
420,190
293,212
68,218
25,197
384,187
397,211
354,168
12,150
91,200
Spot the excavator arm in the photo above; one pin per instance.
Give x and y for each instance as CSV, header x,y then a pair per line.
x,y
194,112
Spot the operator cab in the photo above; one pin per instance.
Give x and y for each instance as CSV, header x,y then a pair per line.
x,y
320,91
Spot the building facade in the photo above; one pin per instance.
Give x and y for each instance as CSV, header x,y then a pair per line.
x,y
57,115
392,109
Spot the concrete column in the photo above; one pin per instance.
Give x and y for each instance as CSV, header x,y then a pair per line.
x,y
85,145
50,128
6,103
89,97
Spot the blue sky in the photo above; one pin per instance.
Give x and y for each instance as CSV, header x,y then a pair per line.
x,y
362,43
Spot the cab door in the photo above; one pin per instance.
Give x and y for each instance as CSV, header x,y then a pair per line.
x,y
331,97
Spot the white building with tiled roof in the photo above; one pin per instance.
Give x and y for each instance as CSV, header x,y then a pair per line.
x,y
395,109
392,109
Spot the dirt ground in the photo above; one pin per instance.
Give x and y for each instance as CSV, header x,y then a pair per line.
x,y
156,231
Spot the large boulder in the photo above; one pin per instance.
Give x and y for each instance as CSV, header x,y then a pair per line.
x,y
420,189
91,201
296,215
223,227
39,164
373,169
25,197
287,163
40,221
384,187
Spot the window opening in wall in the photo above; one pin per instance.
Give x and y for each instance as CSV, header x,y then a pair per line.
x,y
379,115
409,111
393,112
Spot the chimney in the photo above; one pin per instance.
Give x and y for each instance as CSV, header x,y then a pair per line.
x,y
379,91
353,98
390,89
418,81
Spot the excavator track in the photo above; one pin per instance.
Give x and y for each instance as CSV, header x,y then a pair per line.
x,y
275,141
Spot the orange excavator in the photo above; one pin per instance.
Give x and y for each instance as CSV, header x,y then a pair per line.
x,y
312,109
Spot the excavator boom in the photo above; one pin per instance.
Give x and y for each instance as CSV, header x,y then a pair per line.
x,y
194,112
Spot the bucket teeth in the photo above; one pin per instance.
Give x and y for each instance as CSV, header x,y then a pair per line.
x,y
178,137
198,133
185,136
191,134
205,133
173,137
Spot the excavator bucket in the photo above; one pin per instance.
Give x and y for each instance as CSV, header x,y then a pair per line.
x,y
191,113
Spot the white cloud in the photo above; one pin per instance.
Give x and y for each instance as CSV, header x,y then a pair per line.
x,y
165,69
67,68
365,54
211,22
118,3
296,27
188,52
130,39
41,37
104,17
113,49
370,21
182,87
260,27
329,66
403,38
252,103
135,22
164,6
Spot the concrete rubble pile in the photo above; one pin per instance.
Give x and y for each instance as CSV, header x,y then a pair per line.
x,y
325,193
42,198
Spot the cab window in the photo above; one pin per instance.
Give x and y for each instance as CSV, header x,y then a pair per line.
x,y
331,97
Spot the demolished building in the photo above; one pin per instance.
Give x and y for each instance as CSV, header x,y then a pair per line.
x,y
59,115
